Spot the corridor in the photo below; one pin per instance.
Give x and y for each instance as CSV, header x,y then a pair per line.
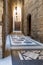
x,y
21,32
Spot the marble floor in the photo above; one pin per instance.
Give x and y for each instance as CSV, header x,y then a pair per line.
x,y
21,40
25,55
28,55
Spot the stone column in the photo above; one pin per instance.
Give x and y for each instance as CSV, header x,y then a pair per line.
x,y
5,10
22,16
7,21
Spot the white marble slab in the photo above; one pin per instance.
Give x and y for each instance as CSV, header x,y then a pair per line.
x,y
31,55
7,46
6,61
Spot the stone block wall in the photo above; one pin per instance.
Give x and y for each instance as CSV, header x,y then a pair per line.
x,y
7,16
35,8
1,10
7,21
1,14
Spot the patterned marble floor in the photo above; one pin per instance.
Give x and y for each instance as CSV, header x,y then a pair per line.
x,y
28,55
25,55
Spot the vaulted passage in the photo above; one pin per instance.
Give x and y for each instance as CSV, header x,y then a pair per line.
x,y
25,16
13,16
17,15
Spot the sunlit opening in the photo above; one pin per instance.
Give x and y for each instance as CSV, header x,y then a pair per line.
x,y
17,14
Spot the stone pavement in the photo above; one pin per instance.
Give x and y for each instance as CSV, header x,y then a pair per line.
x,y
28,55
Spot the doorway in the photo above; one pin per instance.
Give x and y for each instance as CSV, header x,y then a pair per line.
x,y
29,24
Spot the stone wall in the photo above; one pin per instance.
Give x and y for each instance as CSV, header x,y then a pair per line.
x,y
1,13
35,8
1,10
7,21
7,16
